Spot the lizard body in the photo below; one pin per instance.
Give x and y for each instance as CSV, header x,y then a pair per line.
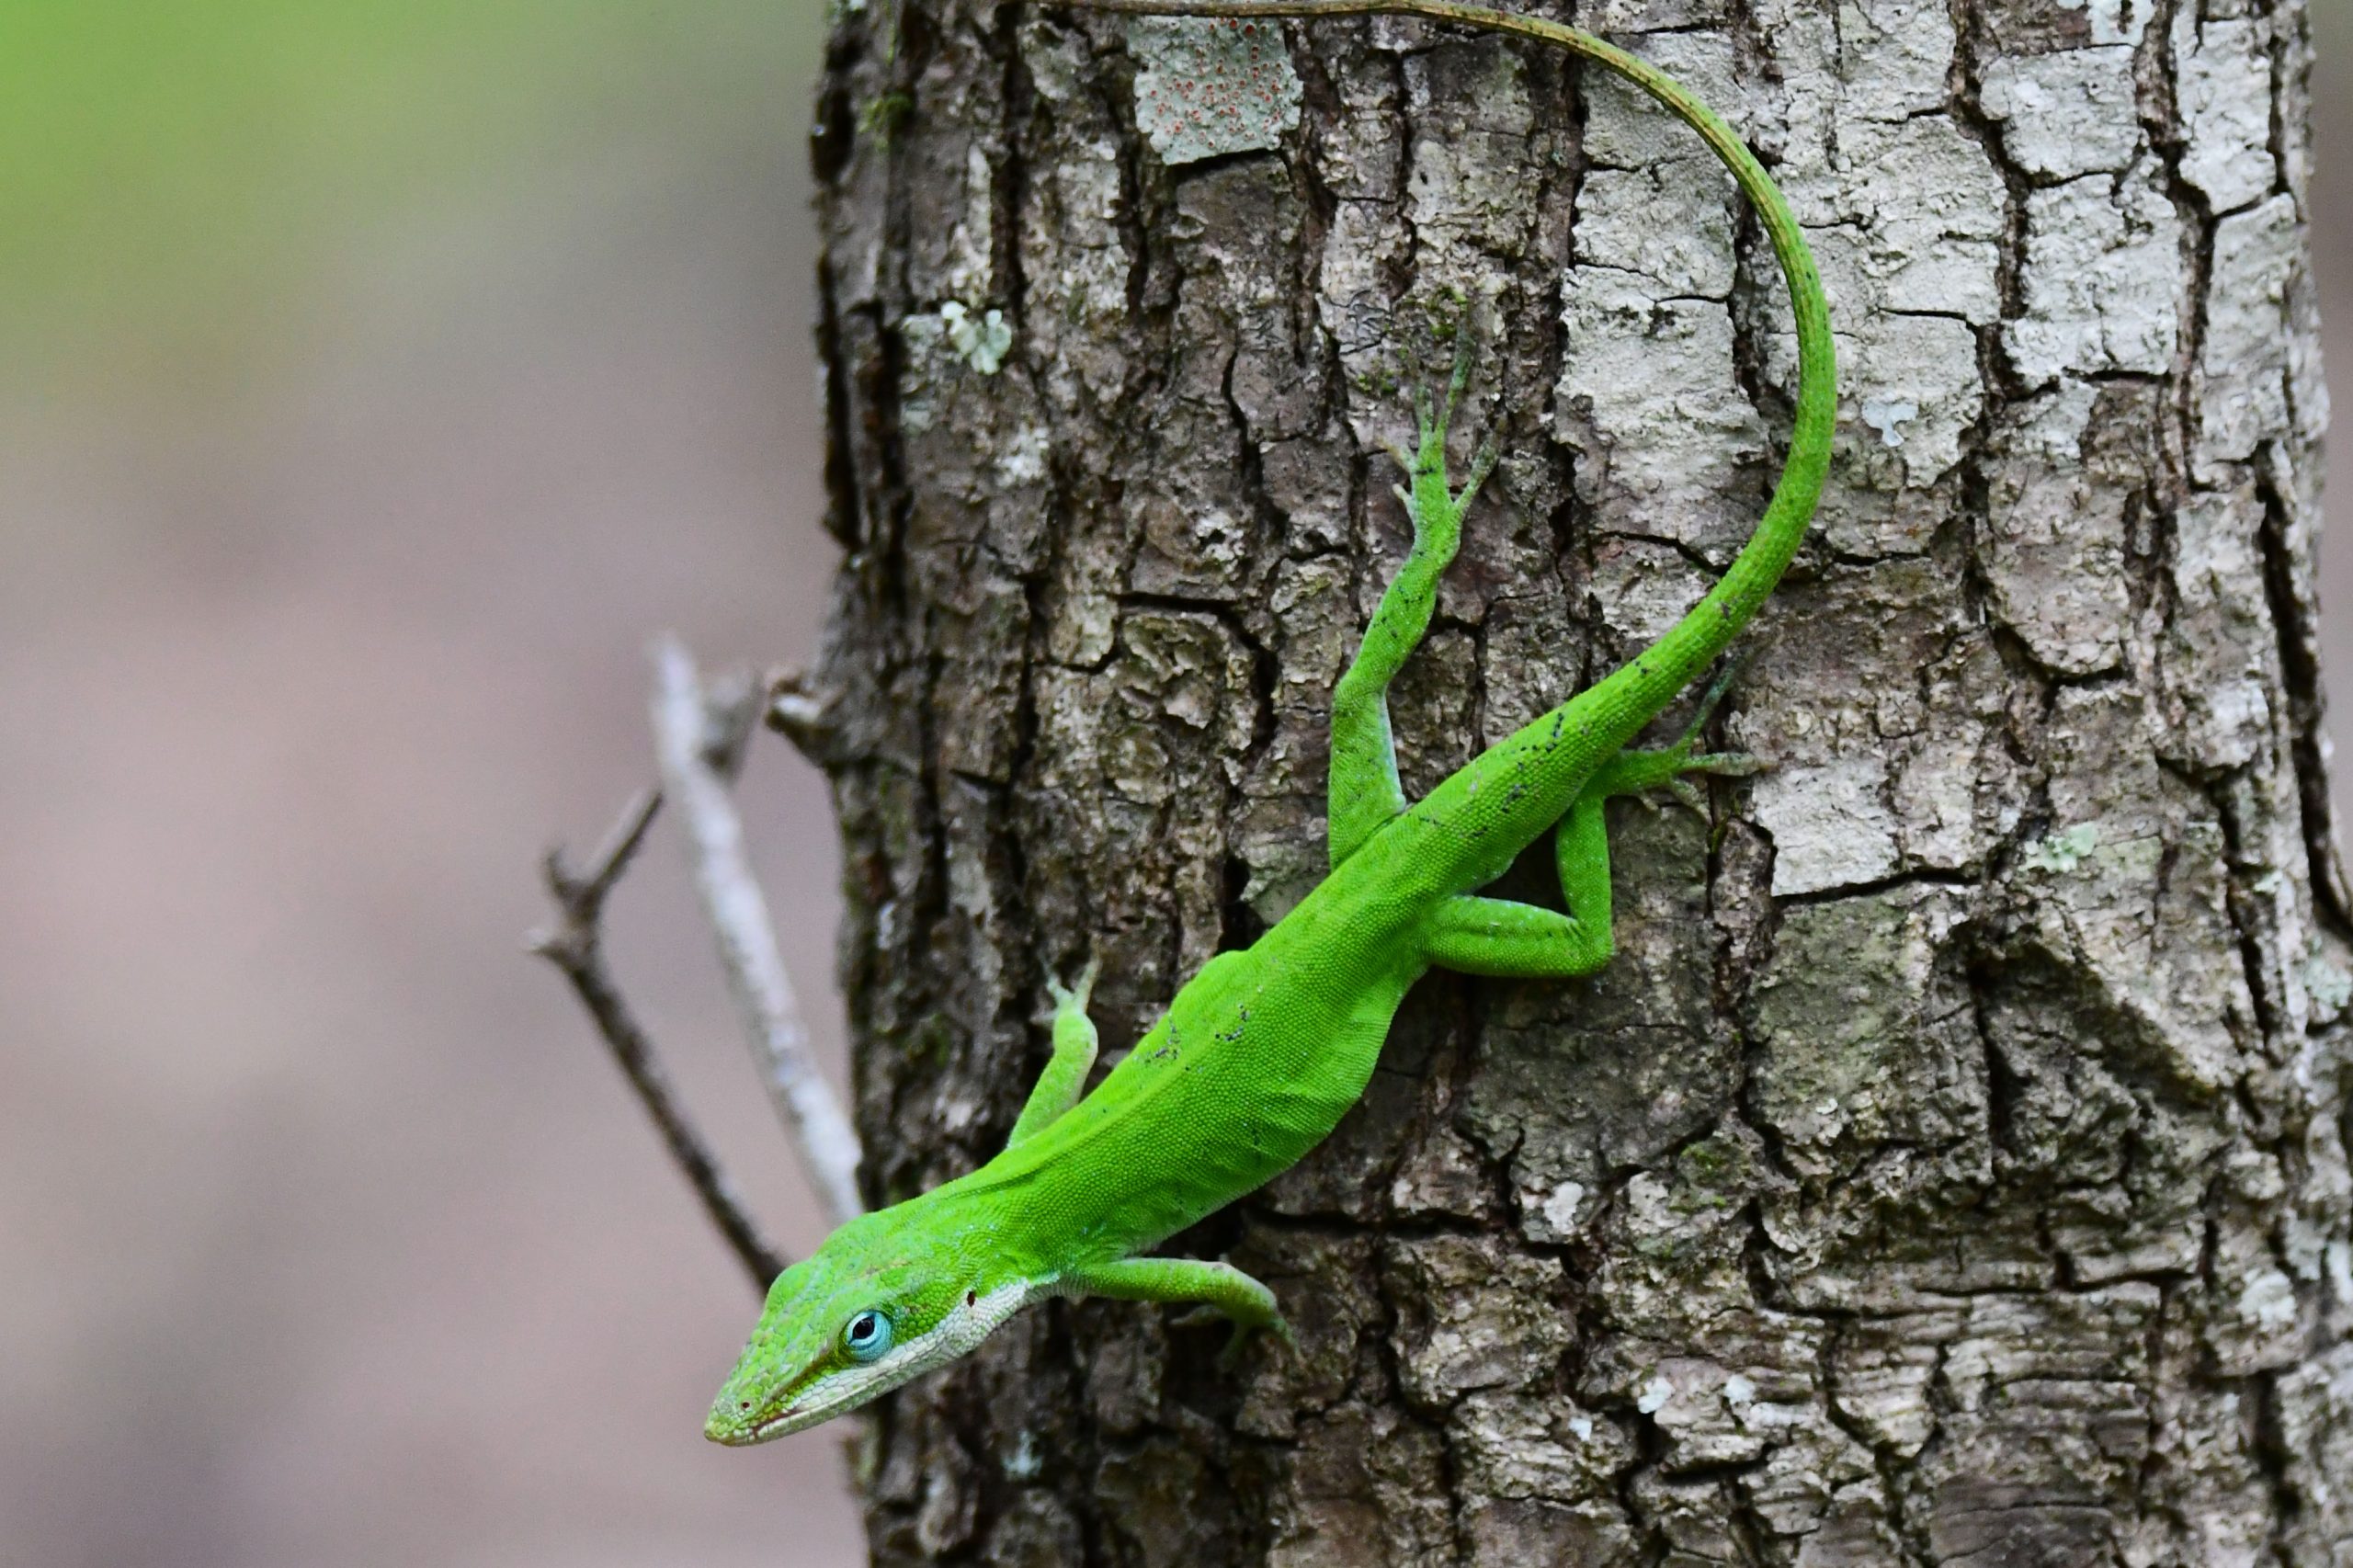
x,y
1261,1054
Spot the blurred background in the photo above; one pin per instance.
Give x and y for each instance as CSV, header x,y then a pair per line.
x,y
375,378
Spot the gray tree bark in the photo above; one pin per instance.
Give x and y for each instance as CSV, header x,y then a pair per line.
x,y
1950,1169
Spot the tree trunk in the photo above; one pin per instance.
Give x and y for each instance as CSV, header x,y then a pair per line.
x,y
1950,1167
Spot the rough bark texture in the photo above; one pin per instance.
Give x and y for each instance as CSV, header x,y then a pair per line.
x,y
1950,1169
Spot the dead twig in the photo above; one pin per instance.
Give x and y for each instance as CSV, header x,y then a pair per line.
x,y
695,755
575,946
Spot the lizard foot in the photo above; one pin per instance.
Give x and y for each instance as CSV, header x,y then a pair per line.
x,y
1244,1329
1073,997
1229,1356
1433,502
1672,767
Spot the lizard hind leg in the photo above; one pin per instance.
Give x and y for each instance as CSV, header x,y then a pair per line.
x,y
1364,792
1520,941
1671,767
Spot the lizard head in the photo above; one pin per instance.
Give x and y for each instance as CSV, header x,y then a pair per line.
x,y
890,1296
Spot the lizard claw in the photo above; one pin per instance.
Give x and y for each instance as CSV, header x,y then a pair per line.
x,y
1434,417
1205,1314
1230,1357
1481,466
1713,764
1460,381
1713,697
1075,996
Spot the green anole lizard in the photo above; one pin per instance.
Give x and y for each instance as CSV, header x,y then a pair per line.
x,y
1260,1054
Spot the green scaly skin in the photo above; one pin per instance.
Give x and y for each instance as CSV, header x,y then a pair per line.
x,y
1261,1054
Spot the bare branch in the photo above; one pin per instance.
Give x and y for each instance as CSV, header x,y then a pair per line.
x,y
575,946
691,776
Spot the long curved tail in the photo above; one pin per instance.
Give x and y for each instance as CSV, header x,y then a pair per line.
x,y
1549,759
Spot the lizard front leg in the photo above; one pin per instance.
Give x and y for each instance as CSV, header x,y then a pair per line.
x,y
1364,792
1076,1043
1219,1285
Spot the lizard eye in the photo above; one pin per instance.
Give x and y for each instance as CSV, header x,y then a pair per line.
x,y
866,1335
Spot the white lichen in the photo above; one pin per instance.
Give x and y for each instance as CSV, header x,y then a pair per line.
x,y
1888,417
981,342
2329,986
2062,851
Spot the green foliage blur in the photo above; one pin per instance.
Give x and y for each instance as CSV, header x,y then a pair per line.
x,y
176,176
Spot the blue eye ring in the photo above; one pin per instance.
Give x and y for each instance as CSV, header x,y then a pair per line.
x,y
866,1336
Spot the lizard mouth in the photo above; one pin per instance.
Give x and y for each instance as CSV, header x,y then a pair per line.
x,y
811,1401
736,1430
804,1402
795,1415
821,1393
738,1423
791,1418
